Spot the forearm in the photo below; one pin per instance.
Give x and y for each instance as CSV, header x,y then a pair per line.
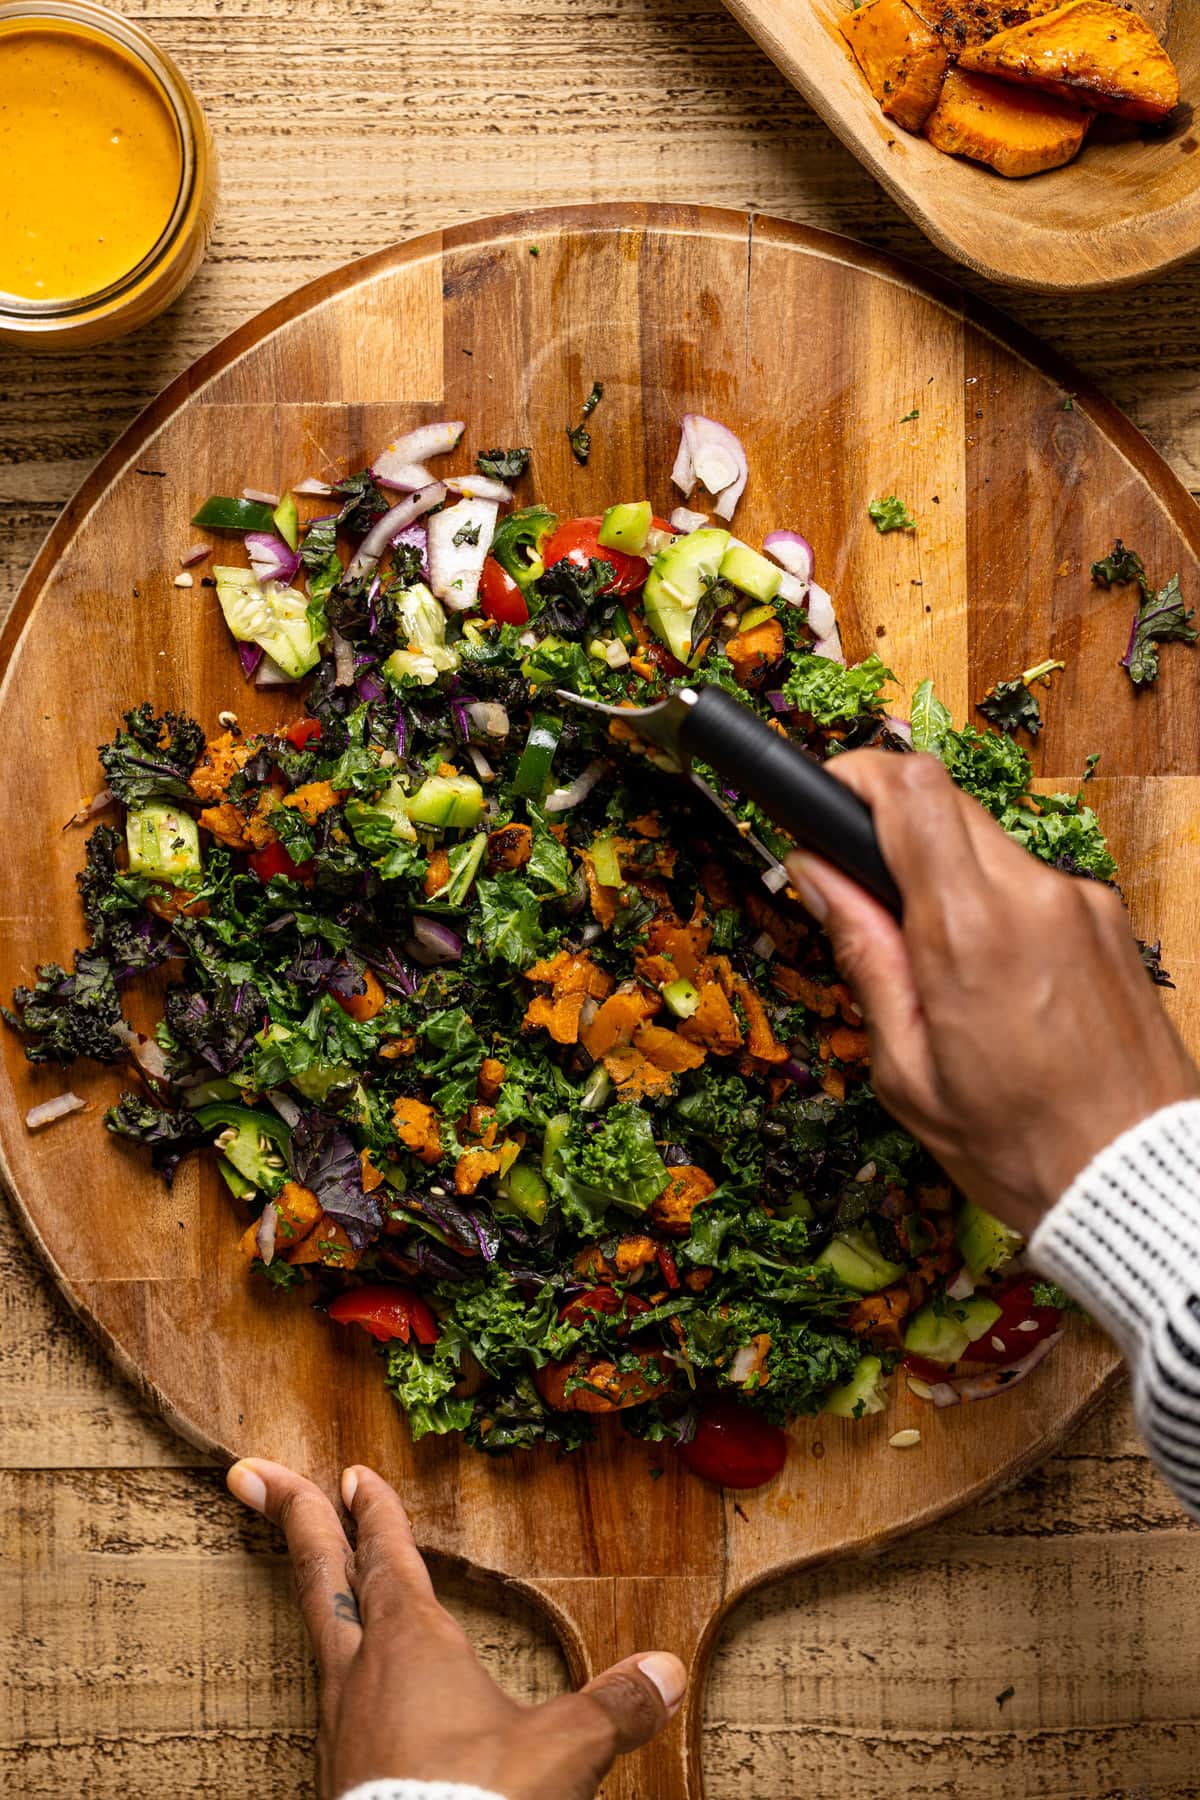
x,y
1124,1241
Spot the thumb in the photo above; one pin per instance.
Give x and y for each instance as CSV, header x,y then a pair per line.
x,y
868,945
638,1696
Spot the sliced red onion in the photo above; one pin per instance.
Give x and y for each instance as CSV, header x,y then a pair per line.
x,y
683,520
368,687
764,946
750,1360
418,538
711,454
261,496
900,728
792,552
800,1074
313,487
270,558
427,440
96,804
432,942
196,554
285,1106
146,1052
406,478
343,661
985,1387
563,799
588,1011
50,1110
792,591
479,487
455,568
775,879
822,620
962,1287
489,717
830,647
778,701
271,675
250,655
391,524
480,763
265,1232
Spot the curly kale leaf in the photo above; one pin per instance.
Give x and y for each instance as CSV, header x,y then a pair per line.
x,y
153,757
449,1052
890,515
361,503
828,692
580,440
1151,955
117,921
169,1133
1062,832
1120,567
323,1158
1161,618
503,465
568,592
931,721
217,1028
64,1016
423,1384
989,766
509,927
1010,707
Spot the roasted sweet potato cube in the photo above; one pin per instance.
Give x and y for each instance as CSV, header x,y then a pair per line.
x,y
902,58
1015,131
1089,52
962,22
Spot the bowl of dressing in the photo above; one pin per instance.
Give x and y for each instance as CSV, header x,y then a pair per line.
x,y
107,175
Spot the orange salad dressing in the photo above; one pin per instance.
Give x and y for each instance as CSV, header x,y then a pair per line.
x,y
90,161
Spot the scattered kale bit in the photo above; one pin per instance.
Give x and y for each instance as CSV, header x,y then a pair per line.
x,y
215,1029
153,757
1011,707
1048,1293
1151,955
580,439
1161,618
914,414
65,1016
361,503
593,400
1119,567
568,591
890,515
168,1132
1007,1693
504,465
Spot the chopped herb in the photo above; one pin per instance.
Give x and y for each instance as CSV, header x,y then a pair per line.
x,y
504,465
914,414
534,250
1005,1695
890,515
466,534
580,439
594,398
1068,404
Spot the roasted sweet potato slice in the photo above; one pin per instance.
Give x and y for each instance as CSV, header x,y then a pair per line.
x,y
617,1020
604,1388
326,1243
635,1077
714,1022
1016,131
962,22
417,1127
687,1188
1088,51
752,652
881,1316
666,1049
510,847
558,1014
902,58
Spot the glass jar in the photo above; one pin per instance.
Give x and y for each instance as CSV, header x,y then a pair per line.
x,y
163,271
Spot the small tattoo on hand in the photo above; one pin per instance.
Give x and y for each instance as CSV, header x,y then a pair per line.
x,y
345,1608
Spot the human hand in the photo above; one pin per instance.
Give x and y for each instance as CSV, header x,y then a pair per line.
x,y
1013,1027
402,1692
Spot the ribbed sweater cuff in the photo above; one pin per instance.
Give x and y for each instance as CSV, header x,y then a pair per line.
x,y
418,1790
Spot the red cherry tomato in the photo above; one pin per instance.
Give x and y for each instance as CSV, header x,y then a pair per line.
x,y
734,1448
303,732
274,860
605,1300
1012,1331
500,596
923,1368
386,1312
578,541
666,1264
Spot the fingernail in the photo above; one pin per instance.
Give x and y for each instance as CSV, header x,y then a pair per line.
x,y
247,1486
349,1488
811,898
668,1675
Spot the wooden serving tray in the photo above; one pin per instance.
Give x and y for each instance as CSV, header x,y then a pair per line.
x,y
1126,209
814,350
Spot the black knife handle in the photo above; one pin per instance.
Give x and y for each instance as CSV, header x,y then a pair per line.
x,y
793,790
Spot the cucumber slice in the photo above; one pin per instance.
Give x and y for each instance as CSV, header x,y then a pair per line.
x,y
984,1244
863,1393
946,1336
745,569
163,842
273,617
287,521
678,582
625,527
858,1262
459,885
449,801
681,997
607,863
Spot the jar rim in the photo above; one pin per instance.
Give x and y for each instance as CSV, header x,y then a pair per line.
x,y
127,36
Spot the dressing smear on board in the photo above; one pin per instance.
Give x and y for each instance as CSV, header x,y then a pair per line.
x,y
90,161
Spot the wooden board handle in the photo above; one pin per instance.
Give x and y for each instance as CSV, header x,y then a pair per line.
x,y
599,1620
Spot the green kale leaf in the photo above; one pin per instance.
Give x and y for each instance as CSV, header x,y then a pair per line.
x,y
153,757
503,465
890,515
829,693
509,928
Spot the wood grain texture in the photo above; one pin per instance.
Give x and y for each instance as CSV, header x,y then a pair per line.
x,y
1127,207
361,131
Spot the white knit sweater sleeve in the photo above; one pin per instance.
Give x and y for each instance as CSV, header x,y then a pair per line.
x,y
418,1790
1124,1241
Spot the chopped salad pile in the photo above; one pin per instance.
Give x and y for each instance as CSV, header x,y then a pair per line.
x,y
508,1048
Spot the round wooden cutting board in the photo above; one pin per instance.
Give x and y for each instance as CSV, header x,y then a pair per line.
x,y
848,377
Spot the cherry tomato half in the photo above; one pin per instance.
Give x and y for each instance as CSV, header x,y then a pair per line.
x,y
734,1448
1020,1326
605,1300
499,595
303,732
578,541
386,1312
274,860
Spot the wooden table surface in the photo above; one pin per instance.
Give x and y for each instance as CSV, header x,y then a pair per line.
x,y
1042,1644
